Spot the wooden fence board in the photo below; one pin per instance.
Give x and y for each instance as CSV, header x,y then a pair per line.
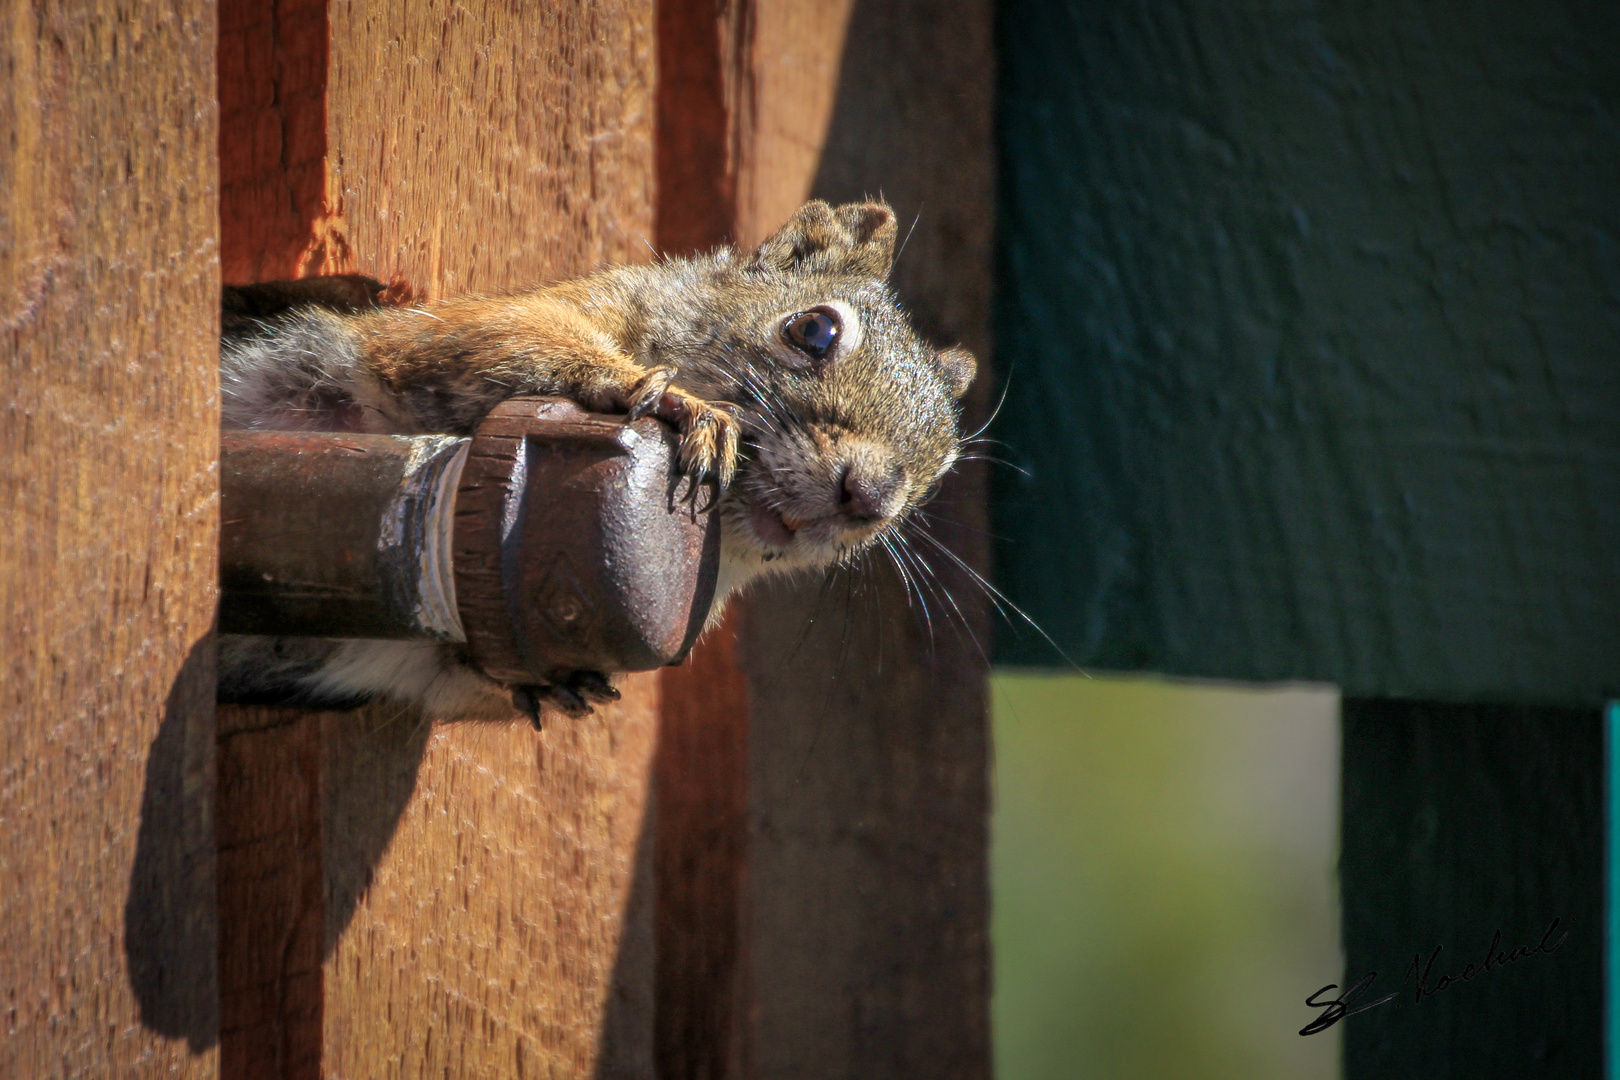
x,y
476,933
272,893
701,771
486,889
700,845
475,147
868,803
108,322
859,941
272,151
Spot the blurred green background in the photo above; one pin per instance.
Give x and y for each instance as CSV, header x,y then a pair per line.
x,y
1163,878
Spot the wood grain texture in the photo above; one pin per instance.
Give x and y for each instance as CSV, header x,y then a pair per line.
x,y
792,66
273,61
484,939
487,889
108,323
272,893
868,805
701,838
702,99
701,769
475,147
272,149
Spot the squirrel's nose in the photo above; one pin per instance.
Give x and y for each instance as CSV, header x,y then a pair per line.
x,y
866,494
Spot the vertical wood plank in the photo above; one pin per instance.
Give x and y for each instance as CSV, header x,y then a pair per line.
x,y
476,148
701,852
272,893
867,858
479,879
702,99
792,65
272,73
108,324
272,147
486,889
701,770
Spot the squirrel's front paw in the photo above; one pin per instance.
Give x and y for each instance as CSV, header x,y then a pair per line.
x,y
708,432
574,695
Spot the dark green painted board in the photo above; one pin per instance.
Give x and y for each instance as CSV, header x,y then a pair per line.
x,y
1312,317
1459,821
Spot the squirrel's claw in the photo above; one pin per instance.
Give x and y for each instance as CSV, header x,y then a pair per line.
x,y
593,686
709,432
649,393
574,696
526,699
708,441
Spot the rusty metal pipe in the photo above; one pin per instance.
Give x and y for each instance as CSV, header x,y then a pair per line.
x,y
327,535
553,540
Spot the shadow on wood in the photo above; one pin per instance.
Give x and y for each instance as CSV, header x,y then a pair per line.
x,y
378,873
307,804
868,893
625,1048
169,929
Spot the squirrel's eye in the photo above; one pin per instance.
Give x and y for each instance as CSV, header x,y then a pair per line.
x,y
812,332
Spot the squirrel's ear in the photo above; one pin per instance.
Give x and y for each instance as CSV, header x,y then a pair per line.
x,y
856,238
872,229
959,368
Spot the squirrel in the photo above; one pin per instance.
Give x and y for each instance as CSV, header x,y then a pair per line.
x,y
790,373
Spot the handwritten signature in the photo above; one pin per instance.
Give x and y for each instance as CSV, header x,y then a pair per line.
x,y
1345,1005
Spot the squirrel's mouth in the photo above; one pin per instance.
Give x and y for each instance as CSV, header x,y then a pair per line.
x,y
774,529
781,531
785,523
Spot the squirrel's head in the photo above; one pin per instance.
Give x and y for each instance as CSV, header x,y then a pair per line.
x,y
849,418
